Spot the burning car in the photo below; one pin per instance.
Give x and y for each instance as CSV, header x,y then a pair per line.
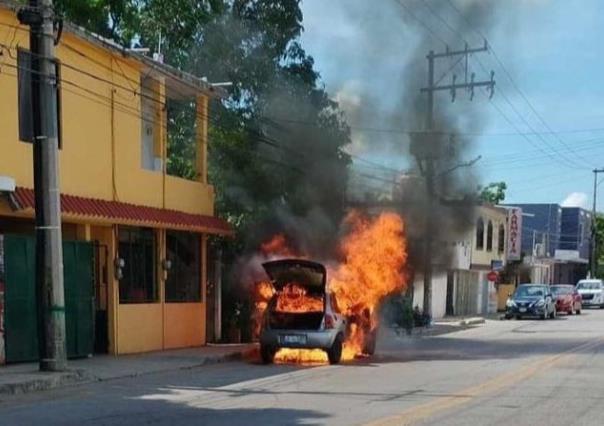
x,y
302,314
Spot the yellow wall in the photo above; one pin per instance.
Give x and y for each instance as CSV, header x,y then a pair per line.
x,y
139,328
101,154
184,325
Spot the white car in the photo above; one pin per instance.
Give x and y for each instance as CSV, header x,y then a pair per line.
x,y
592,292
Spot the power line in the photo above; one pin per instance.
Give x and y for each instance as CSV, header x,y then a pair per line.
x,y
508,75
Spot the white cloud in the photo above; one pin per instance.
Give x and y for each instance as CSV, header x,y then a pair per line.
x,y
575,199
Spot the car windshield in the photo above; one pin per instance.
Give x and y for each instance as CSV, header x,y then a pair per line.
x,y
562,289
589,285
530,291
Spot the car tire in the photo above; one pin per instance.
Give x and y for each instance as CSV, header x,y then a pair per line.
x,y
267,354
543,316
553,314
518,317
334,354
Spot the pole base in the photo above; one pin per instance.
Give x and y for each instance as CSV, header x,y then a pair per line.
x,y
53,365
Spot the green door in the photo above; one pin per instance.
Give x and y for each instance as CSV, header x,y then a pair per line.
x,y
78,258
20,328
20,302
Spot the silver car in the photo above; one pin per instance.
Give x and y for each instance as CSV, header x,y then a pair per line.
x,y
321,327
592,292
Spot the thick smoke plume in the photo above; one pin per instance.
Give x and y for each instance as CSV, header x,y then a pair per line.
x,y
381,90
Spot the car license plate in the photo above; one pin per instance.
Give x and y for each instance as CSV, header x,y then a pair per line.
x,y
298,339
522,309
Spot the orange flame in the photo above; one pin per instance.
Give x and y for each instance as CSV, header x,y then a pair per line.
x,y
294,299
374,255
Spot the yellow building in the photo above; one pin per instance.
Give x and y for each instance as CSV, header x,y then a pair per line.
x,y
149,228
489,239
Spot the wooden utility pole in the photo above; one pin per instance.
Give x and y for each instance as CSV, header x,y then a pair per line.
x,y
50,297
593,261
429,157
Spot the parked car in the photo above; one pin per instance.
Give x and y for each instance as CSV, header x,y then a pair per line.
x,y
531,300
592,292
567,298
315,324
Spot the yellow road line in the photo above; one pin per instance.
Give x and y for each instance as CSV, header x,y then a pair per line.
x,y
464,396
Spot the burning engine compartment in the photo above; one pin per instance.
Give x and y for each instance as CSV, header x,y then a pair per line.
x,y
369,267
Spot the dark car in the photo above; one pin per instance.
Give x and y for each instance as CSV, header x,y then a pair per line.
x,y
531,300
567,298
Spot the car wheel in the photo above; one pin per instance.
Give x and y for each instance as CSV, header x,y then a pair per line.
x,y
267,353
543,316
552,315
518,317
335,352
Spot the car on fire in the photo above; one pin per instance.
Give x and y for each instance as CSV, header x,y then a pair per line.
x,y
592,292
567,298
303,314
531,300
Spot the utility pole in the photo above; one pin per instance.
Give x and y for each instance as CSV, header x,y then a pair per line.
x,y
593,263
429,159
50,297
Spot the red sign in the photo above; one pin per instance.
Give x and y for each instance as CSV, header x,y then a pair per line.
x,y
492,276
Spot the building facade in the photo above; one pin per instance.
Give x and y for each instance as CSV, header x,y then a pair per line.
x,y
146,226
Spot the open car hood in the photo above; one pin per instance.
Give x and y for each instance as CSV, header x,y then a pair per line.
x,y
311,275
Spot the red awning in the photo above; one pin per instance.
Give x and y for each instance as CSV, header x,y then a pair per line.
x,y
119,212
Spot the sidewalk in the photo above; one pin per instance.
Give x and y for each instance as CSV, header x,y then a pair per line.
x,y
23,378
443,326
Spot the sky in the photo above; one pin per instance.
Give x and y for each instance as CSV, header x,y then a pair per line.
x,y
543,130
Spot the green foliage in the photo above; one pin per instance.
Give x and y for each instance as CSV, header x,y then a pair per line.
x,y
181,139
493,193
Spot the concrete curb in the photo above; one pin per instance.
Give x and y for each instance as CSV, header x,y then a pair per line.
x,y
48,381
472,321
45,382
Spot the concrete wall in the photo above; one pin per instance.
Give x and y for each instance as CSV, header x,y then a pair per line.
x,y
439,293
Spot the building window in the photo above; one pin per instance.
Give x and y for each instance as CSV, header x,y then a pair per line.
x,y
501,239
479,234
184,277
137,249
182,117
490,236
151,125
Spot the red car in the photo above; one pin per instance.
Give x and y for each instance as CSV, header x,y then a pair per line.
x,y
567,298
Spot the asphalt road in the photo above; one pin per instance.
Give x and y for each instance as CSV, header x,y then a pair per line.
x,y
526,372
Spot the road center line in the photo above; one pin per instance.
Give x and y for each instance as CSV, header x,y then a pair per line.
x,y
498,383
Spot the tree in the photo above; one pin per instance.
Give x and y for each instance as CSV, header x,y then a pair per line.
x,y
493,193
